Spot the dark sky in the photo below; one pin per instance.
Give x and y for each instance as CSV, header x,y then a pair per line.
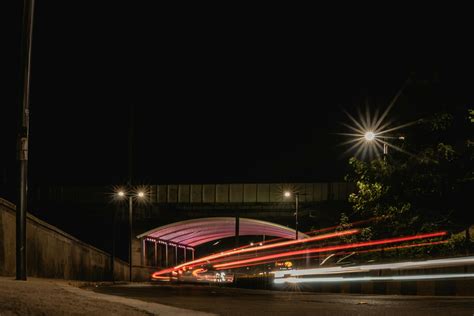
x,y
217,99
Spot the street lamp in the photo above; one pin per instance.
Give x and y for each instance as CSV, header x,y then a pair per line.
x,y
369,131
370,136
287,194
122,194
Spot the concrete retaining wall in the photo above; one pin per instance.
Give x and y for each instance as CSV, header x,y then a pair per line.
x,y
52,253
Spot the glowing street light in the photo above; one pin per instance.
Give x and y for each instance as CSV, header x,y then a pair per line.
x,y
369,136
370,132
122,194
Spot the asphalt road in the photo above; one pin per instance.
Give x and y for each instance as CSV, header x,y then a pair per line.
x,y
231,301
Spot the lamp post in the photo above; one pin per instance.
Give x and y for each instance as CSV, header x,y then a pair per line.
x,y
370,136
140,195
287,194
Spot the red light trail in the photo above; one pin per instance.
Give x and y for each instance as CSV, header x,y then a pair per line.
x,y
280,244
432,243
331,248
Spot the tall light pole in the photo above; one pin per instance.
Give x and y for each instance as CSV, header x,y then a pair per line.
x,y
140,195
370,136
23,135
287,194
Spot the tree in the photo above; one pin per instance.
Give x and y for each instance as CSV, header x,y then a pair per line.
x,y
426,190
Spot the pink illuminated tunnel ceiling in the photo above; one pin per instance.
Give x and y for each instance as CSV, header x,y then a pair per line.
x,y
195,232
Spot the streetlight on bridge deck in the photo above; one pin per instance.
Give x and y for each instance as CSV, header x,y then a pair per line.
x,y
288,194
137,194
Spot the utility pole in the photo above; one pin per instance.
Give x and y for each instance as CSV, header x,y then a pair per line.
x,y
130,145
23,134
130,181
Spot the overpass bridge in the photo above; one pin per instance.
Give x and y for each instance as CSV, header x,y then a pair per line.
x,y
168,203
319,206
319,203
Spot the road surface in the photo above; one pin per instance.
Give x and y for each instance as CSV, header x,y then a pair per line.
x,y
232,301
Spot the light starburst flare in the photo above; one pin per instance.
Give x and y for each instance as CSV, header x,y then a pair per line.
x,y
372,134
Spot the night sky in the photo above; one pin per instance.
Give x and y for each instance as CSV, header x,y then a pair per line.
x,y
216,99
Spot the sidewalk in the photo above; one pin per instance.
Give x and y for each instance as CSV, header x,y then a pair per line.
x,y
59,297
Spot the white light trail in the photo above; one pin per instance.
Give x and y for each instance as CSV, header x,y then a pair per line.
x,y
436,263
369,278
